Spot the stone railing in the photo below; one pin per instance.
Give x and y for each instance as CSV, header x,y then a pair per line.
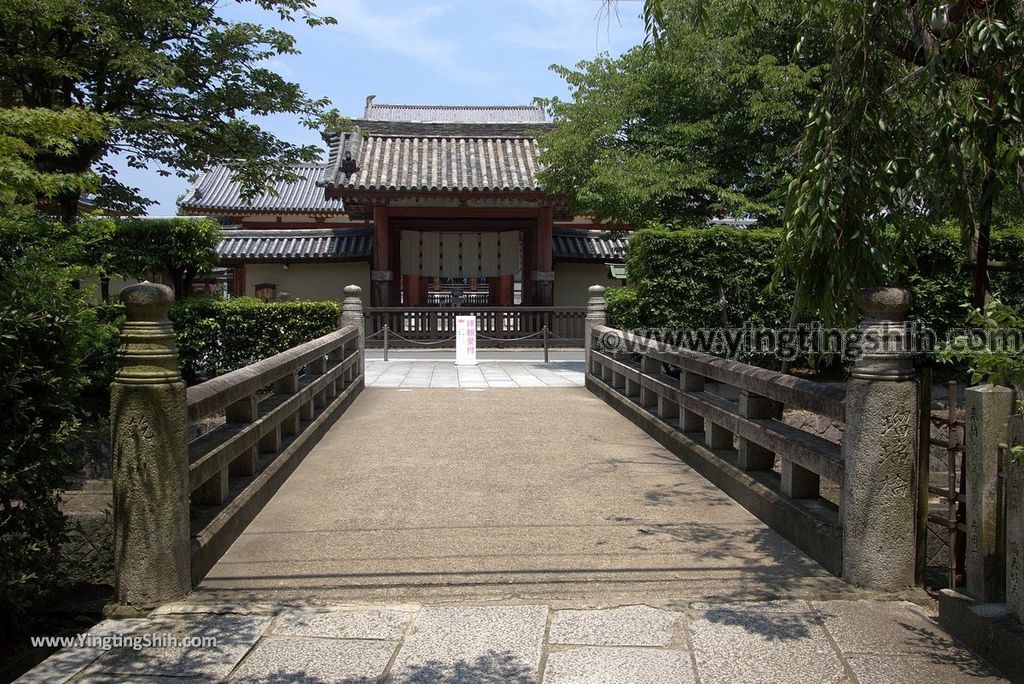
x,y
727,421
988,613
178,505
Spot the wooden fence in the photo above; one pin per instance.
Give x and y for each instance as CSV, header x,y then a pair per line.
x,y
519,326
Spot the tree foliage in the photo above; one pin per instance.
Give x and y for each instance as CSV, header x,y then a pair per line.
x,y
51,339
177,83
703,125
919,119
182,248
28,135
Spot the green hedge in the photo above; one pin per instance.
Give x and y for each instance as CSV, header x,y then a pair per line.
x,y
678,278
681,276
216,336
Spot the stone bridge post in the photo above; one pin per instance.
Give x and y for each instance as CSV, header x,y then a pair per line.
x,y
149,423
986,431
352,314
596,315
879,449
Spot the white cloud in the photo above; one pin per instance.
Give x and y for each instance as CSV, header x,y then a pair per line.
x,y
412,31
573,28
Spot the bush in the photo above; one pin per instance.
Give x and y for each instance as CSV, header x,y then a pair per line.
x,y
182,247
623,308
680,277
53,345
216,336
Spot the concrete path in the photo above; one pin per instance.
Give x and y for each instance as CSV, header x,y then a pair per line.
x,y
549,494
783,642
425,373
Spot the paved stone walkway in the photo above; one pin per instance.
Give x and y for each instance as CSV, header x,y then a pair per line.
x,y
733,643
422,374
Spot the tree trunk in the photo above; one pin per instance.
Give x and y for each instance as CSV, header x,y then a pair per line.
x,y
983,242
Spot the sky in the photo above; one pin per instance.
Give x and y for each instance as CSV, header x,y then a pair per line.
x,y
475,52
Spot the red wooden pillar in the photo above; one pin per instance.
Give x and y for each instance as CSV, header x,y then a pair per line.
x,y
381,274
544,274
506,290
238,282
529,253
412,290
395,245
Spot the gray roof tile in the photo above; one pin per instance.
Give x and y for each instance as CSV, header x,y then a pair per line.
x,y
216,191
321,244
454,113
588,245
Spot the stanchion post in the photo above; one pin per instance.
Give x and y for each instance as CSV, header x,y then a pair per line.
x,y
385,341
545,344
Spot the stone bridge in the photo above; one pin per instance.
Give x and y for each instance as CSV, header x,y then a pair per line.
x,y
645,515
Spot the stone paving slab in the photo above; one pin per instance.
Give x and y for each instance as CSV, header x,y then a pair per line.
x,y
737,643
488,374
593,665
345,624
293,659
750,645
469,644
626,626
234,636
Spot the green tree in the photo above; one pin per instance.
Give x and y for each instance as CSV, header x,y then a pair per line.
x,y
180,247
919,119
27,135
52,343
174,77
702,126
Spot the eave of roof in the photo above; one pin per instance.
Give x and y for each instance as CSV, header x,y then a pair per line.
x,y
588,245
241,245
216,192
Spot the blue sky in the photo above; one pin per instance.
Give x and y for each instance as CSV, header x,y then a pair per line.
x,y
429,52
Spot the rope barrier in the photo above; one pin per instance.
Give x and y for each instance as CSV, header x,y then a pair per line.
x,y
392,333
510,339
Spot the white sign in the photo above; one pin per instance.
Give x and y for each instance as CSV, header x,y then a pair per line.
x,y
465,340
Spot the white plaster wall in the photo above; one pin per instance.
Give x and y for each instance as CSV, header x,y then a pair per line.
x,y
311,281
572,280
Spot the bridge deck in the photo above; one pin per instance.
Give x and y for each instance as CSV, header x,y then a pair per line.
x,y
502,494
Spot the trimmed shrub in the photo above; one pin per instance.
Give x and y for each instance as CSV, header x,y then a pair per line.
x,y
216,336
680,277
704,277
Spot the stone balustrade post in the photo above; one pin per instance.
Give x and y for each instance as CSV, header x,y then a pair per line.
x,y
986,427
1015,524
149,423
352,314
596,315
879,449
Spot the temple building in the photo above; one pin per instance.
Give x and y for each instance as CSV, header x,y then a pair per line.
x,y
421,206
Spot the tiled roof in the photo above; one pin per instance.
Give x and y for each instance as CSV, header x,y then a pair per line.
x,y
454,113
216,191
588,245
453,157
323,244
